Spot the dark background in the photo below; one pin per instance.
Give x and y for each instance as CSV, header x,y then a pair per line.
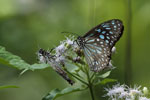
x,y
26,25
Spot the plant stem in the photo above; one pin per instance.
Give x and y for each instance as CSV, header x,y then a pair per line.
x,y
90,85
91,78
91,91
128,65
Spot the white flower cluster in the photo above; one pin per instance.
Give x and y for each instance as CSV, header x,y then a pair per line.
x,y
59,53
123,92
63,47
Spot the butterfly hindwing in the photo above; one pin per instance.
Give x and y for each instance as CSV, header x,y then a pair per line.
x,y
98,42
97,56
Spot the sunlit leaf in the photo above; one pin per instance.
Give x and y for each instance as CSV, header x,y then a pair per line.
x,y
8,86
57,93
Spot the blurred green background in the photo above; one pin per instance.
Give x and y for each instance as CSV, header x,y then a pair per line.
x,y
26,25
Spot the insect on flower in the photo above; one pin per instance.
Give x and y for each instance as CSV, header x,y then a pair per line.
x,y
97,43
46,57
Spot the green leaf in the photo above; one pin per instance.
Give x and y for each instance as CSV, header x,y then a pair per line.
x,y
8,86
105,75
57,93
11,60
105,81
39,66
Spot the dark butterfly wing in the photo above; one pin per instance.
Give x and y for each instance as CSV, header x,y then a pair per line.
x,y
99,41
97,56
109,31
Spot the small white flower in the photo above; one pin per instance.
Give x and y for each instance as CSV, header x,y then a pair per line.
x,y
143,98
116,91
60,49
123,92
70,40
135,91
124,95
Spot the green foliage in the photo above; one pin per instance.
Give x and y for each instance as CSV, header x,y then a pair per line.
x,y
11,60
102,79
24,24
104,75
83,74
57,93
106,80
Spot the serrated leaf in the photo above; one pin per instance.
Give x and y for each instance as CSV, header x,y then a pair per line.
x,y
57,93
8,86
11,60
105,75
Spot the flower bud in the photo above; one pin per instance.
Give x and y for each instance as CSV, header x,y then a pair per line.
x,y
145,91
113,50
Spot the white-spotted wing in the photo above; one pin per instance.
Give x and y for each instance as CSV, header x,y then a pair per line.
x,y
98,42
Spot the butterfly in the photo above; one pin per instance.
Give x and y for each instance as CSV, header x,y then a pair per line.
x,y
97,43
46,57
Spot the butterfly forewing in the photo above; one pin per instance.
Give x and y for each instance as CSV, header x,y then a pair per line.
x,y
109,31
98,42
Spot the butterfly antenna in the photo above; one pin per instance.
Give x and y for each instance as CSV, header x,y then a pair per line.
x,y
71,33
